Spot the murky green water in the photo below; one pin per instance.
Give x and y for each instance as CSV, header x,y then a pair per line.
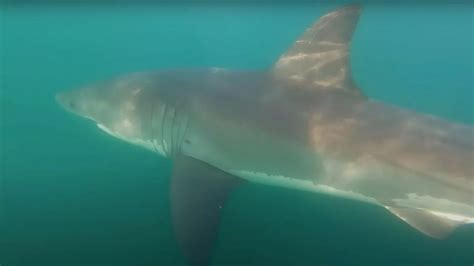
x,y
70,195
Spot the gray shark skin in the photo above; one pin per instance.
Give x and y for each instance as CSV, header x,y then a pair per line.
x,y
302,124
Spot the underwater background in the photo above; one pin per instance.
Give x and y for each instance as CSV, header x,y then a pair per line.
x,y
71,195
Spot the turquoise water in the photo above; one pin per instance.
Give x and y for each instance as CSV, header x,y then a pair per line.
x,y
70,195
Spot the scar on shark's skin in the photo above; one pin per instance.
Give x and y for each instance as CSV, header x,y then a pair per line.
x,y
303,124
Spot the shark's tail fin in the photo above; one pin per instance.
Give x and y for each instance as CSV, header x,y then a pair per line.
x,y
319,59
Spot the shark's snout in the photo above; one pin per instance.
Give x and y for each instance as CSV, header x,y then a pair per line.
x,y
80,103
59,98
65,101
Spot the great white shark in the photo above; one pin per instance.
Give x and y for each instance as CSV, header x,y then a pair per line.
x,y
303,124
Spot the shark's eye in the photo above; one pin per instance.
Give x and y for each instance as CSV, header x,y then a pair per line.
x,y
72,105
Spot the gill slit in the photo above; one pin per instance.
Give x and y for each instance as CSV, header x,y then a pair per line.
x,y
172,124
154,127
184,128
173,136
163,120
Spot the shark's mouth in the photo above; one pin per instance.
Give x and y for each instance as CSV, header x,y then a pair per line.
x,y
106,130
151,145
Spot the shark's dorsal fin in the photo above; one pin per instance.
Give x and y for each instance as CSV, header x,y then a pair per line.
x,y
431,224
319,59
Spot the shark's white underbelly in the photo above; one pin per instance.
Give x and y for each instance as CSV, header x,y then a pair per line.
x,y
412,201
299,184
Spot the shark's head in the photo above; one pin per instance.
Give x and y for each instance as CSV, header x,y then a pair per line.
x,y
88,102
133,108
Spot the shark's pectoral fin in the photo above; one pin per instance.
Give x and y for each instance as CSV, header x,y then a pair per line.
x,y
198,193
319,59
436,226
